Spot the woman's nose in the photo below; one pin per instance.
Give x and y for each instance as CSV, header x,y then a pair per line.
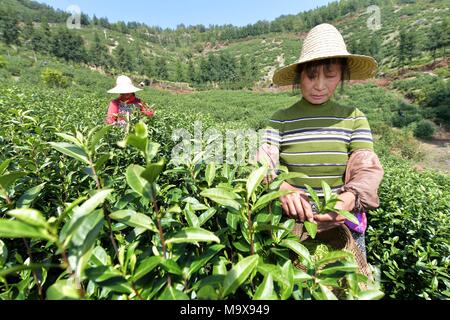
x,y
319,83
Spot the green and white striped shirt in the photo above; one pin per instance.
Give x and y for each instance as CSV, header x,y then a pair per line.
x,y
317,140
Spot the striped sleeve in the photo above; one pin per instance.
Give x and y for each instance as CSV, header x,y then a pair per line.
x,y
361,137
273,133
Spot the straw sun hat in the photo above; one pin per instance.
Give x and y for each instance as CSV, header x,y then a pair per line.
x,y
324,42
124,85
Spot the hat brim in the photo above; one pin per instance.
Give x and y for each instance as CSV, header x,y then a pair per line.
x,y
361,68
124,89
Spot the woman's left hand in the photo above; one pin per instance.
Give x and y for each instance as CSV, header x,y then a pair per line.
x,y
328,221
332,220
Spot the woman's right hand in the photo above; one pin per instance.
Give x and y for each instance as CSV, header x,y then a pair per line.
x,y
296,205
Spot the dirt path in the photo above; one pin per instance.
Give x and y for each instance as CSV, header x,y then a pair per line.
x,y
437,155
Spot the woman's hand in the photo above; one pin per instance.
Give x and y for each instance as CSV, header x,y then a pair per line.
x,y
332,220
296,205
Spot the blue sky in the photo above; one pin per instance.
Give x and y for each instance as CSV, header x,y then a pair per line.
x,y
170,13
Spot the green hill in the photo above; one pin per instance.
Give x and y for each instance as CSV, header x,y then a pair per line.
x,y
250,53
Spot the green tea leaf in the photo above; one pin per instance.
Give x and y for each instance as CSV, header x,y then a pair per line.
x,y
254,180
266,290
29,196
193,235
29,216
350,216
33,266
80,212
171,267
207,215
370,295
301,276
71,151
339,267
191,217
297,247
153,171
201,261
108,277
170,293
134,219
146,266
268,198
137,182
326,191
17,229
98,136
94,201
210,173
288,274
222,197
7,180
313,196
3,253
70,139
239,274
151,151
63,290
311,228
334,256
327,293
4,165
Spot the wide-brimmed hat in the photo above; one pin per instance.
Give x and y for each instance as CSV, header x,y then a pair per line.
x,y
124,85
324,42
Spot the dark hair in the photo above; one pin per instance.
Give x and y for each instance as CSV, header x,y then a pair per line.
x,y
312,69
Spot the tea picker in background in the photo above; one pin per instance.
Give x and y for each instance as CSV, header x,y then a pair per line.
x,y
120,109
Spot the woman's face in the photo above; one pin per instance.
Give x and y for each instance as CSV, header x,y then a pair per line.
x,y
126,96
318,88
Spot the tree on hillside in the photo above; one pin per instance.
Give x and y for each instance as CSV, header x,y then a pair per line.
x,y
407,46
192,72
247,71
98,53
9,28
28,30
436,105
179,72
445,35
42,38
161,70
94,20
433,40
148,69
123,59
68,45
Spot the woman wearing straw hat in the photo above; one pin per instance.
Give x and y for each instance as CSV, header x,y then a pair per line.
x,y
322,139
119,109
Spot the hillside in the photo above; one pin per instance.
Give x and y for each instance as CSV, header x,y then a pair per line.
x,y
183,54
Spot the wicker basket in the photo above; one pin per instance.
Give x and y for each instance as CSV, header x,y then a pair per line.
x,y
339,238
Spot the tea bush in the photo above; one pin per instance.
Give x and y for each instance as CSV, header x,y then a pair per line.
x,y
408,236
98,215
91,211
424,129
55,78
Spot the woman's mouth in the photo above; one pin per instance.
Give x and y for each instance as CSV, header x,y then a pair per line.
x,y
318,97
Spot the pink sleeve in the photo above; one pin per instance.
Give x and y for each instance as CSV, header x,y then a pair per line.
x,y
113,111
148,112
269,155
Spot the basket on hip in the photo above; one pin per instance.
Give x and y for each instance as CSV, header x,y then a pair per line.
x,y
339,238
